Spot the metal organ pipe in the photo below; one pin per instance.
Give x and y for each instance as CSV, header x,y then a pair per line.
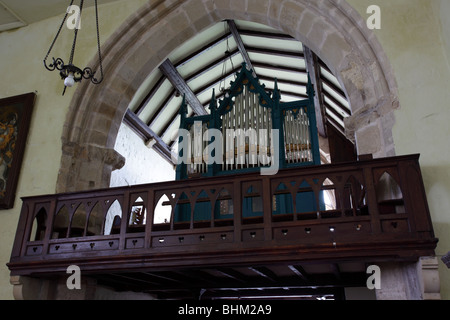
x,y
246,134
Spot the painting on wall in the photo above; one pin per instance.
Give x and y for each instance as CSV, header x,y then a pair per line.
x,y
15,117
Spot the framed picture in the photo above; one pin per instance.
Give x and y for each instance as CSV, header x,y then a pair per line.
x,y
15,117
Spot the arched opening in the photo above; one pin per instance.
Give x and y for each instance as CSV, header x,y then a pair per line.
x,y
334,31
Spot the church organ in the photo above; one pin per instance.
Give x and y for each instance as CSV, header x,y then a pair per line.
x,y
257,130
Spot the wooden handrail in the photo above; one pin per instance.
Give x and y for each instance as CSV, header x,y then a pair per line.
x,y
356,225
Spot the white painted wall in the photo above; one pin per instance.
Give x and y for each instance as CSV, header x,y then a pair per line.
x,y
142,164
415,36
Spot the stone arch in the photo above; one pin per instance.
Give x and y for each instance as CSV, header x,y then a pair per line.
x,y
331,28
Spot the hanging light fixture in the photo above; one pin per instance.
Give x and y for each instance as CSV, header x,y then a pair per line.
x,y
69,72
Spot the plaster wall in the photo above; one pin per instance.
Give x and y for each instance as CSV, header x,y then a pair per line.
x,y
142,165
414,35
442,9
21,63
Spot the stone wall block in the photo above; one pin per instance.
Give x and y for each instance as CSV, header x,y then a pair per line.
x,y
428,269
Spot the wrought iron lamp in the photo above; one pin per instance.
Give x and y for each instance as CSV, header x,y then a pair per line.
x,y
69,72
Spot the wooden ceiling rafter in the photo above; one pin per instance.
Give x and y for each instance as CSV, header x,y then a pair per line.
x,y
314,73
217,80
266,35
237,37
336,124
337,103
290,69
334,87
275,52
161,109
183,88
282,81
212,65
203,49
148,135
333,111
150,95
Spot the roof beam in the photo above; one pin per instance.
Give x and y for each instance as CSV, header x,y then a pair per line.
x,y
283,81
240,44
269,35
180,84
275,67
203,49
336,102
333,110
336,125
161,109
211,84
296,95
275,52
148,135
212,65
335,89
314,73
